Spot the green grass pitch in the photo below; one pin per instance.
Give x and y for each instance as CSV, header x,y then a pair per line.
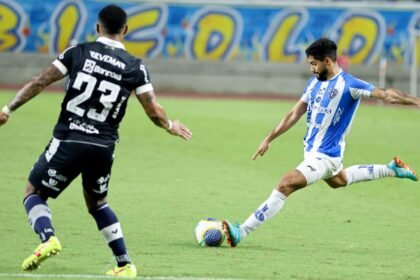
x,y
162,186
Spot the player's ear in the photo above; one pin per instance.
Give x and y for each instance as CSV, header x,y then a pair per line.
x,y
97,28
328,60
125,29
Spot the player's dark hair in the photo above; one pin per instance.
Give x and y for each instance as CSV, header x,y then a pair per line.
x,y
322,48
113,18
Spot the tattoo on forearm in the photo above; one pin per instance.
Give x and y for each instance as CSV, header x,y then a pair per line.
x,y
159,121
149,98
35,86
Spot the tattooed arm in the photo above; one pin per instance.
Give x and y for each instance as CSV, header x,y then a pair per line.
x,y
30,90
153,109
157,114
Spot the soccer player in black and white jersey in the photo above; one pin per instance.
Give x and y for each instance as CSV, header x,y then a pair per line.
x,y
101,77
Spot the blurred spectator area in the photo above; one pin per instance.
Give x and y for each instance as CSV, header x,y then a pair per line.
x,y
212,77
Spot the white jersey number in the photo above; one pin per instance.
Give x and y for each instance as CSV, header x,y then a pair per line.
x,y
106,100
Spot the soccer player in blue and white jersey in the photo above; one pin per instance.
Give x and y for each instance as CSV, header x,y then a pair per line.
x,y
101,77
330,101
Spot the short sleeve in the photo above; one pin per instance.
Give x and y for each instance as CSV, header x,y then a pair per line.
x,y
307,91
65,60
144,84
359,88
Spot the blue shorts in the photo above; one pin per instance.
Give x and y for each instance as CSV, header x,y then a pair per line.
x,y
63,161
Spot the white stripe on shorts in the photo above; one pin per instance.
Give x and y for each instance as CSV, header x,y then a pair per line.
x,y
52,149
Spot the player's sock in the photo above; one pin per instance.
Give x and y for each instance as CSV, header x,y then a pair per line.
x,y
110,228
265,211
39,216
367,172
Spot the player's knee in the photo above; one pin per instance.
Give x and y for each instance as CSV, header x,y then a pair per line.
x,y
92,206
30,189
287,186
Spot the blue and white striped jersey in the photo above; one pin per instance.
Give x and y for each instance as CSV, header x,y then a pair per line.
x,y
332,105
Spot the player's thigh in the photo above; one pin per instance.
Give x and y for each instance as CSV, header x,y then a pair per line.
x,y
316,168
55,169
96,171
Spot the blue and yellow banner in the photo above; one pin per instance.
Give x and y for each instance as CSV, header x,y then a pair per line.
x,y
211,32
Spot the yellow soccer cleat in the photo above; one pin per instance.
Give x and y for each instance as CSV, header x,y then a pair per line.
x,y
129,270
45,250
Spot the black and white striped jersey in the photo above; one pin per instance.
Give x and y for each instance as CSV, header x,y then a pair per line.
x,y
101,77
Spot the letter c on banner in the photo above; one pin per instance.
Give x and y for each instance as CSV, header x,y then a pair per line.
x,y
213,34
12,20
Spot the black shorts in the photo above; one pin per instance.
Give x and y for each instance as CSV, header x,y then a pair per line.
x,y
63,161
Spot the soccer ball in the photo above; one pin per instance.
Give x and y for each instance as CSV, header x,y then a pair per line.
x,y
209,232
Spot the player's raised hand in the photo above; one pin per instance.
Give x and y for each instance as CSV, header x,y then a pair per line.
x,y
262,148
179,129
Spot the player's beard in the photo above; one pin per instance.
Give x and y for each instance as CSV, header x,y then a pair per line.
x,y
323,75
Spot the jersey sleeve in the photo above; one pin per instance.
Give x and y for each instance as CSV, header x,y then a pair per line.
x,y
143,81
64,61
306,91
359,88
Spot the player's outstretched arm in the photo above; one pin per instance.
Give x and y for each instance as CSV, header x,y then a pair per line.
x,y
30,90
158,116
287,122
395,96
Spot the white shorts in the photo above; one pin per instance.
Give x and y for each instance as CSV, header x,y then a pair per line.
x,y
318,167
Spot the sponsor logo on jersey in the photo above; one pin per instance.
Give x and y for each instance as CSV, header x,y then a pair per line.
x,y
89,66
118,108
108,59
333,92
337,116
86,128
98,69
321,109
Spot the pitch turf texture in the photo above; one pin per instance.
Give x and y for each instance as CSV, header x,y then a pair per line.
x,y
162,186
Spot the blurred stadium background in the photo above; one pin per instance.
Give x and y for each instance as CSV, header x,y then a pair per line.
x,y
237,46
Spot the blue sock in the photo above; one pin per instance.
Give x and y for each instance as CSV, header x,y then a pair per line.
x,y
39,215
110,228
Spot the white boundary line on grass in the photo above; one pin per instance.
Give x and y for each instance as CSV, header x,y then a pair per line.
x,y
92,276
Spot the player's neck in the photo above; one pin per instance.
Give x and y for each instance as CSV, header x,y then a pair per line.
x,y
115,37
335,69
